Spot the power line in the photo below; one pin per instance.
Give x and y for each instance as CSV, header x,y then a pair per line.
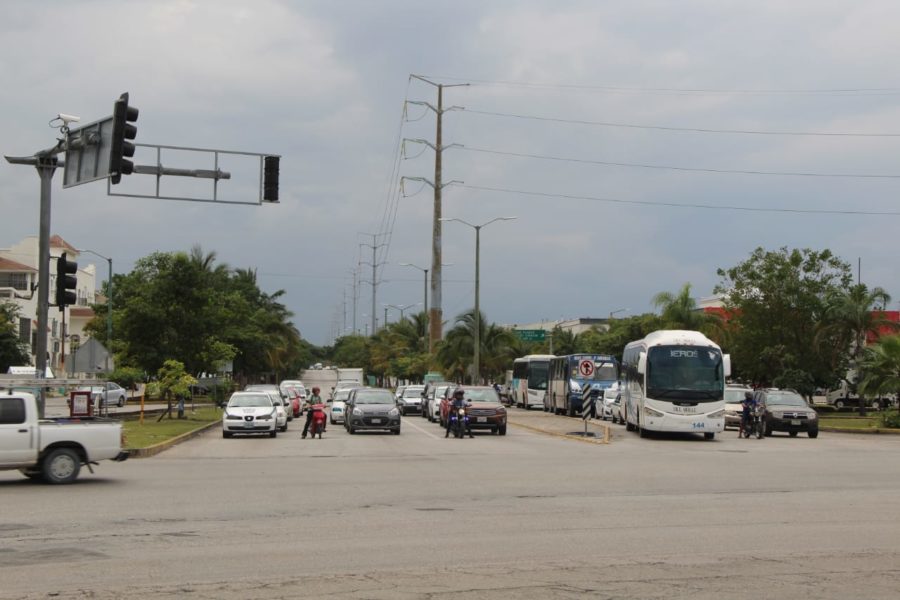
x,y
676,168
680,205
877,91
684,129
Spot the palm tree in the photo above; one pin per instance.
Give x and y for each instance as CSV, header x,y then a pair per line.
x,y
679,311
456,352
855,312
880,368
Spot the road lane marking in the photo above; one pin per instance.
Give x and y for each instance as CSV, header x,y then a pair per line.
x,y
428,433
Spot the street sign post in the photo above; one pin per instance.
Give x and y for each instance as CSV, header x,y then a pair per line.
x,y
531,335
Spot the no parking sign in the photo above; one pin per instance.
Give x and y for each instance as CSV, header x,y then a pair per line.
x,y
586,368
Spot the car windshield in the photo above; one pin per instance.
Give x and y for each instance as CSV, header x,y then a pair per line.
x,y
685,373
250,400
734,396
413,392
341,395
374,397
784,399
481,395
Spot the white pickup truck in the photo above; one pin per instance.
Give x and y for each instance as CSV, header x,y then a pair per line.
x,y
53,449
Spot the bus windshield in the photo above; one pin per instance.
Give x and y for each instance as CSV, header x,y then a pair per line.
x,y
538,373
685,373
603,371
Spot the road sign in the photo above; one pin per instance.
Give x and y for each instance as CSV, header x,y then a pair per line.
x,y
531,335
87,153
586,368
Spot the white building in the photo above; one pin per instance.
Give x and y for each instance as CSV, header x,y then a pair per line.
x,y
18,282
576,326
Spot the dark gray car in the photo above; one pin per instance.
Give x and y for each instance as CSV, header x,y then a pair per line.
x,y
372,408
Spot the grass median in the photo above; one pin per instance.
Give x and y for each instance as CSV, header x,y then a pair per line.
x,y
153,432
871,422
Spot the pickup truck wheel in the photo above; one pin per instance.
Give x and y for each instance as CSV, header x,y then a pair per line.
x,y
839,404
61,466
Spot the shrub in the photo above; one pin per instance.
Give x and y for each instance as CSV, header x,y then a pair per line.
x,y
891,419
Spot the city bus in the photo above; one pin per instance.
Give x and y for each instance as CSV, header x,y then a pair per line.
x,y
530,380
674,380
573,375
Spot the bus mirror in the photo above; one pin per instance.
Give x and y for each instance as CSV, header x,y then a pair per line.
x,y
642,363
726,365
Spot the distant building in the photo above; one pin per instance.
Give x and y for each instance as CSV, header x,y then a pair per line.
x,y
576,326
18,283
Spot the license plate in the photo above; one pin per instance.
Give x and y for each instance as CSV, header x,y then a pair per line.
x,y
248,423
481,419
376,421
795,422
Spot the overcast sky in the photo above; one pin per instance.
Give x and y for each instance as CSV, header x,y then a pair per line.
x,y
324,83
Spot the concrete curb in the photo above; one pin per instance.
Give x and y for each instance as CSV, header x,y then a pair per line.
x,y
157,448
873,431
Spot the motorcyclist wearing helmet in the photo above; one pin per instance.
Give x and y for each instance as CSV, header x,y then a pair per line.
x,y
748,404
458,402
313,399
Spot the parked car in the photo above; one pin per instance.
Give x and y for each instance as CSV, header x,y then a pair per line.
x,y
249,412
101,392
411,399
372,408
734,395
485,411
786,410
607,403
338,405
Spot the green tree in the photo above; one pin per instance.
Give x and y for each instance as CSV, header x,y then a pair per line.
x,y
620,333
777,302
172,382
879,368
852,314
12,348
679,311
456,352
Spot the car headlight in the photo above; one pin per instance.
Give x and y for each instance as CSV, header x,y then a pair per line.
x,y
652,412
232,417
357,412
778,414
393,412
500,410
716,415
812,416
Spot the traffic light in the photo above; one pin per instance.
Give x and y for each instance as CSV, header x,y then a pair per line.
x,y
121,149
65,281
270,178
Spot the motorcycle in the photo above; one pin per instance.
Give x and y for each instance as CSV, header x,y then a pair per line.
x,y
459,422
317,425
755,424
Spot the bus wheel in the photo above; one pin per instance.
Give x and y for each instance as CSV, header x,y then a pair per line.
x,y
641,431
709,435
570,409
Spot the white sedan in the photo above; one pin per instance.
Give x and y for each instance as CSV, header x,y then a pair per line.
x,y
338,406
249,412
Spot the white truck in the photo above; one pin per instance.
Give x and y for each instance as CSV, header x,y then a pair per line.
x,y
53,449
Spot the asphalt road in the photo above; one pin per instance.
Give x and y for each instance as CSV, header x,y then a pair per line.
x,y
416,516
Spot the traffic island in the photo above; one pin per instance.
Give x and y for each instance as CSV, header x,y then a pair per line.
x,y
152,437
570,428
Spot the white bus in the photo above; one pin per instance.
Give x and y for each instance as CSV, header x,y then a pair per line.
x,y
530,375
675,381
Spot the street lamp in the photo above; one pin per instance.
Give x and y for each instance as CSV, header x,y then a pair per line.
x,y
477,228
401,308
424,270
618,310
109,299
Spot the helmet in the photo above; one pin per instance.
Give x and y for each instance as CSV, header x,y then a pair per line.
x,y
748,395
458,393
315,390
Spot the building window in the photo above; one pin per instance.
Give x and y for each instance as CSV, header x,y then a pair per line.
x,y
24,329
17,281
53,327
